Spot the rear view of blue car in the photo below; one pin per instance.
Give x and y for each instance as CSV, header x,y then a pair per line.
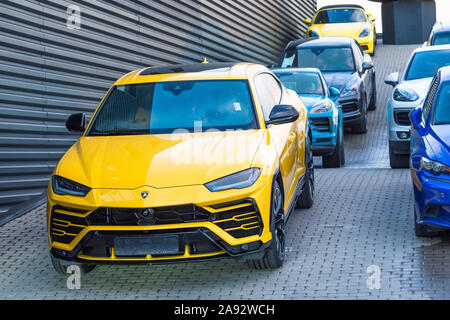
x,y
430,158
325,116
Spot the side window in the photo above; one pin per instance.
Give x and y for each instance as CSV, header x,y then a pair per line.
x,y
357,56
429,100
269,92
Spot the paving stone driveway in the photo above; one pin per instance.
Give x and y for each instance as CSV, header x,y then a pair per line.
x,y
362,217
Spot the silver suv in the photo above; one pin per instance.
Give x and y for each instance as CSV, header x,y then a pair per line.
x,y
409,92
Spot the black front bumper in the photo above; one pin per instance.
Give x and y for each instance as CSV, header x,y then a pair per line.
x,y
401,148
98,245
351,111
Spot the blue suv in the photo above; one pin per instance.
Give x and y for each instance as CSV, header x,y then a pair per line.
x,y
430,158
325,115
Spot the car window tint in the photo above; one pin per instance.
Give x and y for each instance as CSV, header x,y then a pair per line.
x,y
302,82
340,16
426,64
442,38
442,113
290,59
164,107
358,56
326,59
269,92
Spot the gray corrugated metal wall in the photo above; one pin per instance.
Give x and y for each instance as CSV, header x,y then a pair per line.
x,y
48,71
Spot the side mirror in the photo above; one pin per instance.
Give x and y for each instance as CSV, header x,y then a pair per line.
x,y
367,65
425,44
308,21
76,122
373,19
392,79
415,117
334,93
283,113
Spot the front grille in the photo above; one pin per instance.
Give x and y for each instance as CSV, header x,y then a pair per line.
x,y
149,216
348,107
321,124
401,117
66,224
239,218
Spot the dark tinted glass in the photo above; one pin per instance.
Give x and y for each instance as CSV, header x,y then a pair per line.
x,y
427,64
302,82
442,38
442,113
326,59
340,16
164,107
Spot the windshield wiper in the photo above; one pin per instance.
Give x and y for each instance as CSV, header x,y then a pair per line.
x,y
120,133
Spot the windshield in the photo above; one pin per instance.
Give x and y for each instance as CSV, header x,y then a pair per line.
x,y
442,111
426,64
441,38
340,16
326,59
302,82
164,107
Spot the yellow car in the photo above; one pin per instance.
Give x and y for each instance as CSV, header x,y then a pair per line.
x,y
183,163
344,21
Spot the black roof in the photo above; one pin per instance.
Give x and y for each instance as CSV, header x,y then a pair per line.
x,y
320,42
336,6
186,68
295,43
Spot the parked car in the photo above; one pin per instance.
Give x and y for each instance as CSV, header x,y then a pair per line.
x,y
439,35
430,158
409,93
345,21
345,67
183,163
325,115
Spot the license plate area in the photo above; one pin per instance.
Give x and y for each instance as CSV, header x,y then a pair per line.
x,y
142,245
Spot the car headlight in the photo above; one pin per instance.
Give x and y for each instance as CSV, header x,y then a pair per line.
x,y
64,187
350,90
312,34
434,167
405,94
365,33
239,180
321,107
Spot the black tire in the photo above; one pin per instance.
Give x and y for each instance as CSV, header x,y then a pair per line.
x,y
361,127
396,161
274,255
422,230
335,159
61,267
373,99
306,198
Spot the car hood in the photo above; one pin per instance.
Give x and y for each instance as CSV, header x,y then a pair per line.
x,y
352,30
420,86
309,100
339,80
439,141
159,161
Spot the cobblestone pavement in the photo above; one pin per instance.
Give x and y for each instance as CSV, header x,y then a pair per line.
x,y
362,217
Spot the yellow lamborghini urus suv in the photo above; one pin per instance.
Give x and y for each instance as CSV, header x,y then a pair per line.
x,y
183,163
344,21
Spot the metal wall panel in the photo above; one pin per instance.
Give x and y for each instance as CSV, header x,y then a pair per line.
x,y
48,71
